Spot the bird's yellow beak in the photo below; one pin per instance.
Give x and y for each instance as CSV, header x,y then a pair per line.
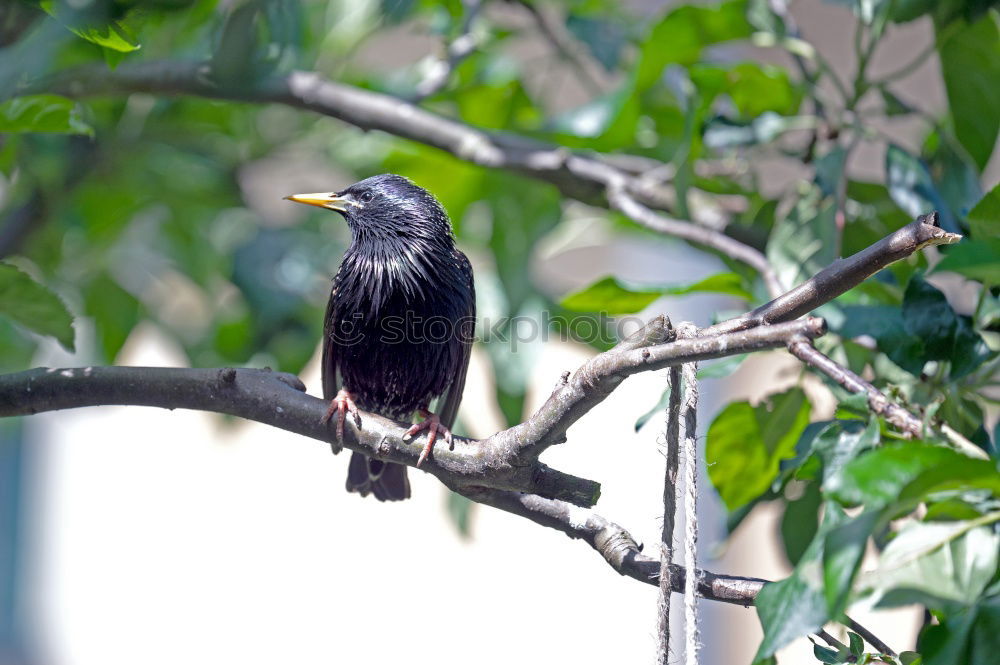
x,y
330,201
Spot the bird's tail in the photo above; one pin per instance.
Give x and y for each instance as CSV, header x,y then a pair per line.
x,y
387,481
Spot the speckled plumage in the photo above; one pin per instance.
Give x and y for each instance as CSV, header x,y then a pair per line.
x,y
400,320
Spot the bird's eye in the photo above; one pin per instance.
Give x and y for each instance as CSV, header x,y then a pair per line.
x,y
366,196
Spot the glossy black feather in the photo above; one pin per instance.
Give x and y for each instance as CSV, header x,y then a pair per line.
x,y
401,315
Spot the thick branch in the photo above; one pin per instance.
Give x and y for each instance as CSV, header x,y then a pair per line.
x,y
277,399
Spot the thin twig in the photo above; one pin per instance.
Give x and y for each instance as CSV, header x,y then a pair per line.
x,y
909,424
565,46
870,637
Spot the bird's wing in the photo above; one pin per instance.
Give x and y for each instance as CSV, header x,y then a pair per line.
x,y
328,364
448,408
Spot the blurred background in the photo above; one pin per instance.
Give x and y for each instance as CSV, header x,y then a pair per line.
x,y
139,535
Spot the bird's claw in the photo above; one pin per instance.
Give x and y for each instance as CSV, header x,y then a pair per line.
x,y
342,404
434,427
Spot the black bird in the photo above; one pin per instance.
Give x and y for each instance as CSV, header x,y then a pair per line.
x,y
400,321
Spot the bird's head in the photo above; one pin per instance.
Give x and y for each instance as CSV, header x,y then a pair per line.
x,y
385,206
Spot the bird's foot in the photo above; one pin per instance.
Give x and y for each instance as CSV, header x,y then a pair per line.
x,y
434,427
342,404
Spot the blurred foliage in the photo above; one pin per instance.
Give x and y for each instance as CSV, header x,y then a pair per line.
x,y
160,210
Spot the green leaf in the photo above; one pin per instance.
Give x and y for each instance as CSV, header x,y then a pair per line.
x,y
728,283
795,606
975,260
912,188
612,296
842,441
681,35
945,335
984,218
746,444
936,563
800,522
826,655
857,644
970,66
902,475
34,306
804,242
113,35
842,553
43,113
969,635
754,89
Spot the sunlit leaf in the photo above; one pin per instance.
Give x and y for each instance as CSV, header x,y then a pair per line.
x,y
681,35
936,563
43,113
745,444
970,66
113,35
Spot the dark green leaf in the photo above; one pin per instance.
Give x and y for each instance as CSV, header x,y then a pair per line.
x,y
34,306
746,444
842,552
857,644
825,655
969,635
970,65
800,522
43,113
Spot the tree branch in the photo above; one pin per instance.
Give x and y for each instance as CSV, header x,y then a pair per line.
x,y
895,415
615,544
844,274
596,378
507,460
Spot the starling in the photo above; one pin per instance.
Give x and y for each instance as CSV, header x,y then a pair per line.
x,y
400,320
